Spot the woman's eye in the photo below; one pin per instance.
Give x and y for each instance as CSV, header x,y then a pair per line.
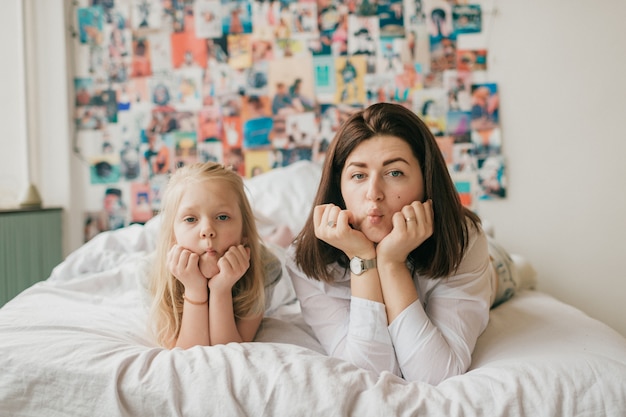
x,y
189,219
395,173
358,176
223,217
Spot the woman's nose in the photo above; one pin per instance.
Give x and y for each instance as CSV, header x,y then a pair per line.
x,y
374,189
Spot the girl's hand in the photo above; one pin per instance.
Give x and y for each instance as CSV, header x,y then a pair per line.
x,y
411,227
183,264
232,265
332,225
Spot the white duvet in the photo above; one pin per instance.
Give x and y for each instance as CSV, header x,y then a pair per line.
x,y
78,344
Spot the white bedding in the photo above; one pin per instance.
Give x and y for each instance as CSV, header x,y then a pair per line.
x,y
78,344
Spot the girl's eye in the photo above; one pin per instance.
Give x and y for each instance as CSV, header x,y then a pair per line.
x,y
189,219
223,217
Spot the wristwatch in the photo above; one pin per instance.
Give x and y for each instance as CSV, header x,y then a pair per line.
x,y
358,265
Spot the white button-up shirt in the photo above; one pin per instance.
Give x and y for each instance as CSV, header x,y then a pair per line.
x,y
432,339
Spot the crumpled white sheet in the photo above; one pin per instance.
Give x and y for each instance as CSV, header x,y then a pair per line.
x,y
78,344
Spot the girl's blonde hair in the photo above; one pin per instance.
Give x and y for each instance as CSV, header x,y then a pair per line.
x,y
167,291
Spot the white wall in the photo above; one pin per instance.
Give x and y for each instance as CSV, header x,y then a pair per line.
x,y
561,67
561,70
13,149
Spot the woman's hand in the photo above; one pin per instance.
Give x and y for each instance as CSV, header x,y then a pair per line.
x,y
183,264
411,227
232,265
332,225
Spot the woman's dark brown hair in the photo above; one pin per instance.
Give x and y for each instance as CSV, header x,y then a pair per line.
x,y
440,254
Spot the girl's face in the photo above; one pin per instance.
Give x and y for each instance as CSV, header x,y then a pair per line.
x,y
380,176
208,222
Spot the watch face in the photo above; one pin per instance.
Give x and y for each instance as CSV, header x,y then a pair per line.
x,y
356,265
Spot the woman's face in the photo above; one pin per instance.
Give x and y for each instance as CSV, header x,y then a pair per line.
x,y
380,176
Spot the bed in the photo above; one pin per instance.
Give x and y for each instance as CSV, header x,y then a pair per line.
x,y
78,344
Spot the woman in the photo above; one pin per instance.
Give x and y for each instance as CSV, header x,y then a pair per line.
x,y
392,272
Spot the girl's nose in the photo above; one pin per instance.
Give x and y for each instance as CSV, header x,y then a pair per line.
x,y
207,230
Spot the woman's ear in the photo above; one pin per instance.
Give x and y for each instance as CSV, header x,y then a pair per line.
x,y
244,240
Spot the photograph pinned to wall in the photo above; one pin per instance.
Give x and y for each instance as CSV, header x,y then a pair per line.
x,y
185,149
466,18
188,89
262,48
485,106
230,104
239,51
291,47
84,90
379,87
339,37
233,133
188,51
107,98
256,132
492,178
208,19
350,73
210,123
324,76
146,14
90,25
158,183
160,46
464,158
256,79
236,16
363,35
487,142
442,37
157,155
389,58
254,107
406,83
391,18
130,161
210,150
414,13
140,209
291,85
104,169
430,105
458,125
471,60
457,85
161,89
90,117
446,146
467,188
257,162
141,63
234,160
304,19
301,128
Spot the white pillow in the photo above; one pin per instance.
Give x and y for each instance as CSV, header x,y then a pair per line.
x,y
283,196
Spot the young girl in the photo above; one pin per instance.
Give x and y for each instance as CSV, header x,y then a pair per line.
x,y
208,284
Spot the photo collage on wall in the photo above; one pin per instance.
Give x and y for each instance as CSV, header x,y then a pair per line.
x,y
257,85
